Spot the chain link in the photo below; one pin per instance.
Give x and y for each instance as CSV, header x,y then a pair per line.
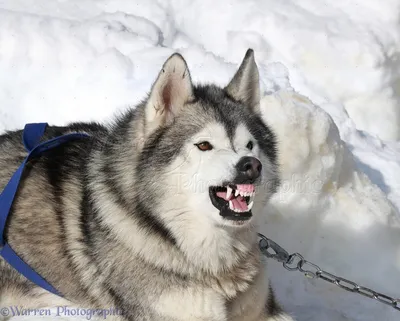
x,y
296,262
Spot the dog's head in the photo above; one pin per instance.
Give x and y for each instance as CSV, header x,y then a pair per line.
x,y
207,153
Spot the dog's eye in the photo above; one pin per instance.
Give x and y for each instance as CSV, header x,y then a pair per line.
x,y
203,146
250,145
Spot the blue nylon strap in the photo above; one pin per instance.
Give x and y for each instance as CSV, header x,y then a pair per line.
x,y
32,134
7,198
31,138
17,263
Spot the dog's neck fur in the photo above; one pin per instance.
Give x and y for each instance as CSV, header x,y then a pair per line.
x,y
203,247
185,244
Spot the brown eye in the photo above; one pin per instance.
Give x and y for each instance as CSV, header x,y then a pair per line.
x,y
250,145
204,146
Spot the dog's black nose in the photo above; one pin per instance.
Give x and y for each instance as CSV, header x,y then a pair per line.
x,y
249,169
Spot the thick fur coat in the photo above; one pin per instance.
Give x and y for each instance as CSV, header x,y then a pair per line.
x,y
129,217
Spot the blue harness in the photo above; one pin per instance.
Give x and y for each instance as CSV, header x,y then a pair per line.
x,y
31,138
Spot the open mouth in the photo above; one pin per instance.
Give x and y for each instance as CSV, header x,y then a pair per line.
x,y
234,201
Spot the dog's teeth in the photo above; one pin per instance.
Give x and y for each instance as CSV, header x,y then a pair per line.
x,y
250,205
228,192
231,205
236,193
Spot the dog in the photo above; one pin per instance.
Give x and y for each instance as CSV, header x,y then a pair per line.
x,y
155,214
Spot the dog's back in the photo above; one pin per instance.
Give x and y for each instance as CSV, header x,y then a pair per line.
x,y
37,233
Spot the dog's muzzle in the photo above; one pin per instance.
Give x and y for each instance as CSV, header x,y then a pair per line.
x,y
235,199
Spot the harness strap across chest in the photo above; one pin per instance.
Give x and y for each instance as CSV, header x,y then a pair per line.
x,y
31,137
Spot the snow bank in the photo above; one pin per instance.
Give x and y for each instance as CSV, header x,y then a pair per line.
x,y
331,212
329,78
343,51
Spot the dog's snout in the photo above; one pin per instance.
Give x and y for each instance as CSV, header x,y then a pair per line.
x,y
249,169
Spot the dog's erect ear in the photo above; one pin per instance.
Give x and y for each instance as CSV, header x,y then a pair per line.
x,y
171,90
245,86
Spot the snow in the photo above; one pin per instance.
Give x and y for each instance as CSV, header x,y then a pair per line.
x,y
330,77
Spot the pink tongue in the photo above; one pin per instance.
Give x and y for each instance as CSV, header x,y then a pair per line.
x,y
239,203
222,195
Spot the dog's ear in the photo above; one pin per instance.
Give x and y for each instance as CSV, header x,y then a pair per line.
x,y
245,86
171,90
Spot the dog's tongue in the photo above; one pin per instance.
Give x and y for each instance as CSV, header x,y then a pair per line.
x,y
223,195
239,203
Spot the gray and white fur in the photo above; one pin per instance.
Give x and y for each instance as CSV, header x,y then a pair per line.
x,y
125,217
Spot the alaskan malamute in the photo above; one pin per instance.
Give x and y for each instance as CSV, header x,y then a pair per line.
x,y
155,215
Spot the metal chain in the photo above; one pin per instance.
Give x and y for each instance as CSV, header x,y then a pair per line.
x,y
296,262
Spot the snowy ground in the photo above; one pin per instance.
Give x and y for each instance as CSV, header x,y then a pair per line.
x,y
330,74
